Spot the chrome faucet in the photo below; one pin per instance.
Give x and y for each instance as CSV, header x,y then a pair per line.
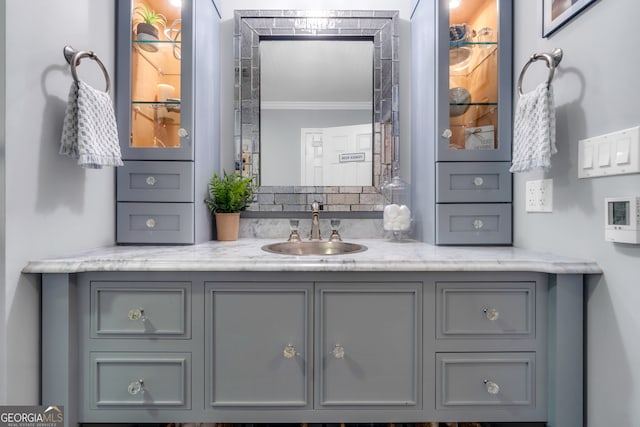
x,y
315,222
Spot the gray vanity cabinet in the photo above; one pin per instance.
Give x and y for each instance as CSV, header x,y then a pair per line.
x,y
318,347
369,345
461,119
168,130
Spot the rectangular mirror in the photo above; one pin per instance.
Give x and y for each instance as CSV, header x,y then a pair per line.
x,y
316,106
316,116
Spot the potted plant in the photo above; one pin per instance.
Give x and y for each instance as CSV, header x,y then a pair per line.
x,y
228,196
148,28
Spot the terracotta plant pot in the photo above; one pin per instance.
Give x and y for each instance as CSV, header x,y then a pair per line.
x,y
227,225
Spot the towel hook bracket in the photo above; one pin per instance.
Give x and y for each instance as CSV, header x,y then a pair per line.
x,y
552,59
73,57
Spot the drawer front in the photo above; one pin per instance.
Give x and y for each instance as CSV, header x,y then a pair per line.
x,y
368,345
485,310
476,380
473,182
140,380
140,309
473,224
259,353
155,181
162,223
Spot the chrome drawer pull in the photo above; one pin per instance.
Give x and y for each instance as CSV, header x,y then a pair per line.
x,y
478,181
290,352
492,388
151,180
338,351
491,313
136,314
478,224
150,223
136,387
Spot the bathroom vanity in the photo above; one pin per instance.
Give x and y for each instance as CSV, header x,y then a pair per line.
x,y
226,332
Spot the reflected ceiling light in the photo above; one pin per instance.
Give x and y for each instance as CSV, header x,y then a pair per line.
x,y
453,4
176,3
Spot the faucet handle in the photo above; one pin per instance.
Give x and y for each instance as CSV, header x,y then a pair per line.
x,y
335,236
294,236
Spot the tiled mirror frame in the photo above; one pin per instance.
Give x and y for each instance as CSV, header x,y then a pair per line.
x,y
379,26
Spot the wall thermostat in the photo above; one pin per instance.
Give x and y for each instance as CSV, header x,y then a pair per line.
x,y
622,219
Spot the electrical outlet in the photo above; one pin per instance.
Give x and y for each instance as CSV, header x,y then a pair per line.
x,y
539,195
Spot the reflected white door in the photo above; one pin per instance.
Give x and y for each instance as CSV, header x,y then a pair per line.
x,y
337,156
311,161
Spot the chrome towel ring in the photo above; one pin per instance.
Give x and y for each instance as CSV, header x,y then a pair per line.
x,y
73,57
553,59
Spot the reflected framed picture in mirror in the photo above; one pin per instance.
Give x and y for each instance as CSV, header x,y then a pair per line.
x,y
556,13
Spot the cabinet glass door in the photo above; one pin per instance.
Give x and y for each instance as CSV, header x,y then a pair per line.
x,y
155,74
478,83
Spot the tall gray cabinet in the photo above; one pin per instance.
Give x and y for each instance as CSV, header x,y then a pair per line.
x,y
167,103
461,115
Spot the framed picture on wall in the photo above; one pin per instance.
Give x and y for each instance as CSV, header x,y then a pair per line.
x,y
556,13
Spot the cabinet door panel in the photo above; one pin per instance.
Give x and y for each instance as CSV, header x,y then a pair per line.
x,y
485,309
259,350
149,181
473,182
368,345
475,224
474,81
154,84
475,380
155,223
140,380
140,309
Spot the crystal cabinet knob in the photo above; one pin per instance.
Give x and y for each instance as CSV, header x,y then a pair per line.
x,y
491,313
492,388
447,133
136,387
338,351
150,223
289,352
182,133
478,181
478,224
136,314
151,180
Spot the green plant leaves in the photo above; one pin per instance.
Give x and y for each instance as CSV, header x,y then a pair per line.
x,y
230,193
150,16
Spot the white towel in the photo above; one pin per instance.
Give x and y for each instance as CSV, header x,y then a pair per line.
x,y
89,132
534,130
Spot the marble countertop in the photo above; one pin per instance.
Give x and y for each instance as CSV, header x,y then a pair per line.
x,y
246,255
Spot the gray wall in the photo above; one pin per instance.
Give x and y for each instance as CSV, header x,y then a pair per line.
x,y
596,92
280,156
51,206
3,342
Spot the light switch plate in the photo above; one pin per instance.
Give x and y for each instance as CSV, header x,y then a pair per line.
x,y
615,153
539,195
